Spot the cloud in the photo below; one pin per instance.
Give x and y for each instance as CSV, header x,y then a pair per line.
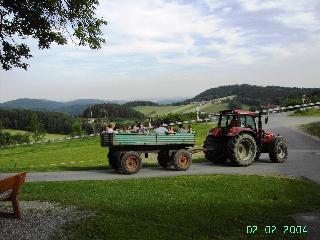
x,y
303,14
158,28
181,41
287,5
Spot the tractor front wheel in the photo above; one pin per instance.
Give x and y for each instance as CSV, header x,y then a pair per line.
x,y
214,150
278,150
130,163
242,150
182,160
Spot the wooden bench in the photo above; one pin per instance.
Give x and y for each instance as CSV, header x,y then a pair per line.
x,y
9,191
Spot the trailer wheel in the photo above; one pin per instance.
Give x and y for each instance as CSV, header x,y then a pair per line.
x,y
278,150
130,163
164,159
242,150
182,160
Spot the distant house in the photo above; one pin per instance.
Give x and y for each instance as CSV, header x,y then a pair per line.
x,y
90,120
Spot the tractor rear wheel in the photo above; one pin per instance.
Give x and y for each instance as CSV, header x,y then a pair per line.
x,y
214,150
164,159
242,149
182,160
278,150
130,163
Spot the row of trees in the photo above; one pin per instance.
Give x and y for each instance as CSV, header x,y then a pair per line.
x,y
140,103
50,122
298,100
112,112
38,123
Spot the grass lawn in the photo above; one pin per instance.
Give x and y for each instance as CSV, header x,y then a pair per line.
x,y
307,112
81,154
186,207
312,128
47,135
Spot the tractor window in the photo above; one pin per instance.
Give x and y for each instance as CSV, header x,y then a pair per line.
x,y
243,121
247,122
251,123
228,121
223,121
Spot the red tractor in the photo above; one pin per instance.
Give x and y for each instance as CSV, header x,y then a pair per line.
x,y
240,138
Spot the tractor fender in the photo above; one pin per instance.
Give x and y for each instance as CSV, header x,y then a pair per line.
x,y
216,132
235,131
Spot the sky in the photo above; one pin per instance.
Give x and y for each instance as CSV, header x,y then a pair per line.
x,y
176,49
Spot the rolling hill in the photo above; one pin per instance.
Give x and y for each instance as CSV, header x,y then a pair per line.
x,y
75,107
253,95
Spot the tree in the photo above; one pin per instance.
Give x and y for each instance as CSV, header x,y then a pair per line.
x,y
47,21
36,128
77,129
234,105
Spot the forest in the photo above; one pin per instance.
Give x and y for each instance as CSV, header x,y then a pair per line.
x,y
112,112
255,96
52,122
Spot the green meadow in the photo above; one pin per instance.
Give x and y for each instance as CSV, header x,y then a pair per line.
x,y
185,207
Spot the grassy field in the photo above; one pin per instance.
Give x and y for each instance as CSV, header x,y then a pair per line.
x,y
47,135
81,154
312,128
188,207
307,112
161,110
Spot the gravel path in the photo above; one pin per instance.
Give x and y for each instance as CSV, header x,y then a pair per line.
x,y
40,220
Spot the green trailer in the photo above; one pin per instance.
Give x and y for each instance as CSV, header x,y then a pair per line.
x,y
125,150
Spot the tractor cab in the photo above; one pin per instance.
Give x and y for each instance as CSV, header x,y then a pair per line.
x,y
237,118
233,122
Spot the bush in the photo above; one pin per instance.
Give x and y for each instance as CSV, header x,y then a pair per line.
x,y
7,139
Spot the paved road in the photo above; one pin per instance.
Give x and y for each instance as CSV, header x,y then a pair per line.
x,y
304,160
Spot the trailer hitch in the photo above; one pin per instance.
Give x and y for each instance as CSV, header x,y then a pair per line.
x,y
196,150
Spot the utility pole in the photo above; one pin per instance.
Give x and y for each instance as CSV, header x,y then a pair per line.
x,y
303,101
198,118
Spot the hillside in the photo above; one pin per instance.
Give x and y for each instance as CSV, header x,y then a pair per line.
x,y
75,107
152,111
33,104
254,95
